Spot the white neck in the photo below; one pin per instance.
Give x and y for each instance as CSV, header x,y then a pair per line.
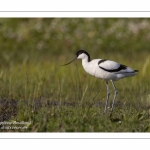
x,y
85,61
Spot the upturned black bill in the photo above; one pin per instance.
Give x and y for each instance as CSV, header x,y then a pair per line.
x,y
70,62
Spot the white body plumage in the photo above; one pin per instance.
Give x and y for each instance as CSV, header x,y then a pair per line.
x,y
96,68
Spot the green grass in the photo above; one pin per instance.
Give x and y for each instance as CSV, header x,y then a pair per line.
x,y
66,99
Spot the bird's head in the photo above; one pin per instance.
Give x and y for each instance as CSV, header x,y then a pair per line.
x,y
81,54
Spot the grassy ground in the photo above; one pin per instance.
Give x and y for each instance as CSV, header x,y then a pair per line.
x,y
41,95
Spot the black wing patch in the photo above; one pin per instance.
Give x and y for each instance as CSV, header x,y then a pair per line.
x,y
101,61
121,67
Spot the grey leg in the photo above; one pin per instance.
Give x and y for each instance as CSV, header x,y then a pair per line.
x,y
108,93
116,92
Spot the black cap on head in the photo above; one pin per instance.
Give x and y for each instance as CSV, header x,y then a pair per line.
x,y
81,52
78,53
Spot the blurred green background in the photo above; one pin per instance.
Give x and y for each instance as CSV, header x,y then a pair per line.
x,y
32,51
53,38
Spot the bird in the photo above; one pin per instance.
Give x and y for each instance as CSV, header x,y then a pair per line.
x,y
106,70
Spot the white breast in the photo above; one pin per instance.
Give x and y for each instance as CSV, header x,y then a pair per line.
x,y
93,69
